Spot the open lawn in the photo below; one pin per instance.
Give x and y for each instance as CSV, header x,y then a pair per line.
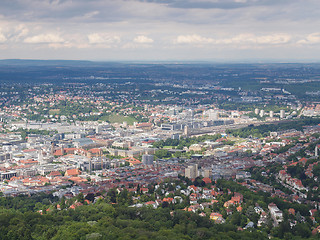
x,y
54,111
115,118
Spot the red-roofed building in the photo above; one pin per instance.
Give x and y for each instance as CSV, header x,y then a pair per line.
x,y
75,205
72,172
292,211
132,161
312,212
78,179
207,180
145,126
169,200
95,152
151,203
54,174
63,151
217,217
144,190
193,188
303,161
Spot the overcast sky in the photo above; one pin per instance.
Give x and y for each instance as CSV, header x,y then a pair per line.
x,y
219,30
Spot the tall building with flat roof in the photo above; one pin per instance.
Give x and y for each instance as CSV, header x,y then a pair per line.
x,y
147,159
207,173
191,171
271,114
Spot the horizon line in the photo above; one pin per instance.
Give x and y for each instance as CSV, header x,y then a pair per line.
x,y
220,61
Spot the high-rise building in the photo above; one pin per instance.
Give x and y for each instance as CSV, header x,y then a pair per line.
x,y
147,159
207,173
282,113
191,171
271,114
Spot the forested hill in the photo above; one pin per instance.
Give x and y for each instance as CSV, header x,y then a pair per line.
x,y
109,216
105,221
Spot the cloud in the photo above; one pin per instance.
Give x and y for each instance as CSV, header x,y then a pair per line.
x,y
142,39
98,38
312,38
45,38
18,33
3,38
266,39
185,39
91,14
216,4
238,39
162,28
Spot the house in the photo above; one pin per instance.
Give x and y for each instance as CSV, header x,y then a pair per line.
x,y
194,189
217,217
239,209
194,208
249,225
312,212
152,204
177,199
144,190
202,214
292,211
207,180
75,205
275,213
168,200
229,203
263,219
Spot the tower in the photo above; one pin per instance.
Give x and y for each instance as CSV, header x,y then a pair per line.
x,y
52,148
186,131
62,150
40,157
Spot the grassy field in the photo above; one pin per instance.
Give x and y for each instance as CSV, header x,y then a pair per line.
x,y
167,147
120,119
54,111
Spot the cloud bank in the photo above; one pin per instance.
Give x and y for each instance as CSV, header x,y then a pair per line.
x,y
160,29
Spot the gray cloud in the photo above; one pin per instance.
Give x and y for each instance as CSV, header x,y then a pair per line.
x,y
219,4
163,28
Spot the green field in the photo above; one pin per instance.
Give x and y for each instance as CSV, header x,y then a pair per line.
x,y
115,118
167,147
54,111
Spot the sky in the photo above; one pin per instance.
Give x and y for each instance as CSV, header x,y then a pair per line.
x,y
161,30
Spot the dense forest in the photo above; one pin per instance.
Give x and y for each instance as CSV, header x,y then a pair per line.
x,y
111,218
104,221
265,129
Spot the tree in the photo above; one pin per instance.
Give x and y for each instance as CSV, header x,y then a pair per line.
x,y
112,195
63,202
303,230
198,182
80,198
252,215
162,153
90,197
